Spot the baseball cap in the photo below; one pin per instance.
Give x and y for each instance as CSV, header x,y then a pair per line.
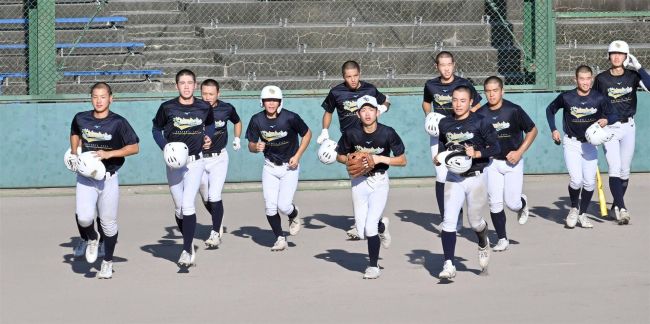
x,y
367,100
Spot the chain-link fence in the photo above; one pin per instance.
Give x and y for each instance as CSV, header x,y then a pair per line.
x,y
61,46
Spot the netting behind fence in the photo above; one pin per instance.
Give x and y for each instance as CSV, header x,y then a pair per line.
x,y
138,46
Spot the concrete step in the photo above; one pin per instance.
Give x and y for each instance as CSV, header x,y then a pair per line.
x,y
153,17
263,12
202,70
341,36
161,30
20,88
130,5
170,43
188,56
601,31
568,58
103,62
279,63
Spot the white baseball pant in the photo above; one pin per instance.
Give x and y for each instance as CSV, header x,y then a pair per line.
x,y
214,177
581,161
441,170
505,180
98,196
279,184
184,184
369,195
460,189
619,151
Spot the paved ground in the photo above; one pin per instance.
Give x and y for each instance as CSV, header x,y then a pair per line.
x,y
549,275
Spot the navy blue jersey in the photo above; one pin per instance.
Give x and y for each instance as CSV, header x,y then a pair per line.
x,y
280,134
111,133
438,94
344,101
474,130
621,91
511,123
222,113
579,112
382,141
184,123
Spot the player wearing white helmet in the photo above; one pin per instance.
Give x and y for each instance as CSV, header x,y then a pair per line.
x,y
105,138
581,108
505,174
189,120
476,139
274,132
370,147
216,157
343,99
620,86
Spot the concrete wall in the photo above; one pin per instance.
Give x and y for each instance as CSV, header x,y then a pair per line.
x,y
36,136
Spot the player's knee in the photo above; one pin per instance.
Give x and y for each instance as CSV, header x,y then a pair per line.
x,y
372,230
85,219
589,186
514,203
109,227
449,224
575,183
214,197
477,225
189,210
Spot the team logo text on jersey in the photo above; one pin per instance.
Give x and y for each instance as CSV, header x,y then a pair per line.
x,y
442,100
92,136
219,123
270,136
371,150
183,123
350,105
501,126
618,92
459,137
579,112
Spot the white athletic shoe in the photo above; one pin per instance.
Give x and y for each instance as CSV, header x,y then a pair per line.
x,y
572,218
106,271
91,250
214,240
484,255
294,223
501,246
522,215
280,244
385,236
102,250
187,259
352,233
448,270
372,273
584,221
625,217
80,249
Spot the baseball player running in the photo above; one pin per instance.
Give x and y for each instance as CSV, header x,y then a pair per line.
x,y
274,132
620,85
581,108
437,99
476,140
105,139
189,120
505,173
374,142
216,157
343,99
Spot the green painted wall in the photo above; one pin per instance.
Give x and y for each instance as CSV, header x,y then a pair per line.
x,y
36,136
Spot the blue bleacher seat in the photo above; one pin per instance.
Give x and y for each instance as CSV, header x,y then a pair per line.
x,y
74,20
128,45
4,77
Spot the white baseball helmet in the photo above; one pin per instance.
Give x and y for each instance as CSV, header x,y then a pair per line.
x,y
431,123
327,152
597,135
176,154
271,92
91,166
618,46
457,162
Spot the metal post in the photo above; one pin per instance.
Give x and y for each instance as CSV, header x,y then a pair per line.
x,y
545,34
41,47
